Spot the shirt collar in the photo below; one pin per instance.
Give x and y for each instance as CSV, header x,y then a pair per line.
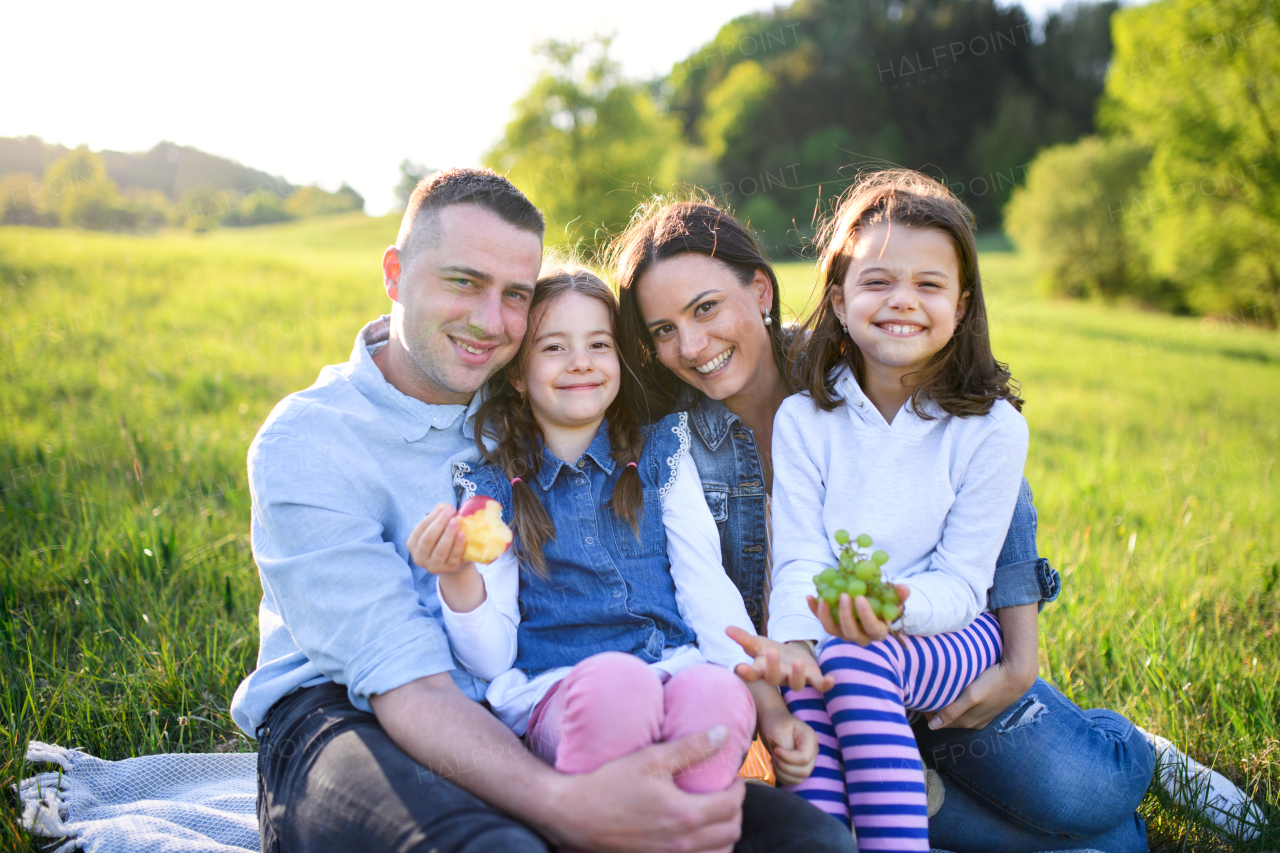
x,y
861,407
411,417
712,419
600,451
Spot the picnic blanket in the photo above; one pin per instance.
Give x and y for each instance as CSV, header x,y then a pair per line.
x,y
182,803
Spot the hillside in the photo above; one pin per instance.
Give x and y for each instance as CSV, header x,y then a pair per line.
x,y
172,169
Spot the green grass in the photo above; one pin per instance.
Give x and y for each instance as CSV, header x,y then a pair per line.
x,y
136,370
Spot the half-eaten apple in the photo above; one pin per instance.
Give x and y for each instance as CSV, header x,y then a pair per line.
x,y
487,535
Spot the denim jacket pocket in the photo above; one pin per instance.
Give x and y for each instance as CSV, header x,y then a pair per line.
x,y
717,501
652,539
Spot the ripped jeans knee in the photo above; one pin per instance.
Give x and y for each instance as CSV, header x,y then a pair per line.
x,y
1023,713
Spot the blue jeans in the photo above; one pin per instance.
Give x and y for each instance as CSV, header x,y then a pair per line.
x,y
1045,775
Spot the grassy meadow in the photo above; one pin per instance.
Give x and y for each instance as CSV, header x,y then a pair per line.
x,y
136,369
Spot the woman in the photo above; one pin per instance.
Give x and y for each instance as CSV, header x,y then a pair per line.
x,y
1024,768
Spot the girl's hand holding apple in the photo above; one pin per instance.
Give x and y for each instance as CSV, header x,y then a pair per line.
x,y
447,544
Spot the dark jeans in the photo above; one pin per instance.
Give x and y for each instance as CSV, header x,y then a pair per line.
x,y
1045,775
329,779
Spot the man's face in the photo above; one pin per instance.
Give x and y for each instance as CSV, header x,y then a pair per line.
x,y
462,292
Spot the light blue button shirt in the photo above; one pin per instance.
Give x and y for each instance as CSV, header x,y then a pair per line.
x,y
340,474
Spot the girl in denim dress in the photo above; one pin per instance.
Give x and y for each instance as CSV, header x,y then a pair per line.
x,y
603,629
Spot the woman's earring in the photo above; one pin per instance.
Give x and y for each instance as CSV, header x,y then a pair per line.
x,y
768,321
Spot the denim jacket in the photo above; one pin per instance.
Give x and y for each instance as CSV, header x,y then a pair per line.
x,y
606,589
724,449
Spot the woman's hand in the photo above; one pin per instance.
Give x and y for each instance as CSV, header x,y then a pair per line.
x,y
990,694
1004,683
437,544
792,745
780,664
856,623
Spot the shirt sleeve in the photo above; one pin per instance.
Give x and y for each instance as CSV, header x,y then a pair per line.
x,y
953,592
800,548
345,593
484,639
1022,575
708,601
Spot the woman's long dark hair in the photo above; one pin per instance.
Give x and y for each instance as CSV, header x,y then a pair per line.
x,y
963,378
665,229
507,419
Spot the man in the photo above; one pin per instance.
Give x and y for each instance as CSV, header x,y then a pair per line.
x,y
370,738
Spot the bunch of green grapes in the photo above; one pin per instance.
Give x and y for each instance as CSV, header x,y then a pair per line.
x,y
858,573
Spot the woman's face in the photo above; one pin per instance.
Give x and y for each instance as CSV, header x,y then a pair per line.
x,y
707,326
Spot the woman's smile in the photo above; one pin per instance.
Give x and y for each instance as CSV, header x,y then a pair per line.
x,y
715,364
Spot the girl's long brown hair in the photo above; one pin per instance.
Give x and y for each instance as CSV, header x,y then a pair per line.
x,y
963,378
665,229
506,418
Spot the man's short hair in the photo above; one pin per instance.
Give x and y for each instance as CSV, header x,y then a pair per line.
x,y
481,187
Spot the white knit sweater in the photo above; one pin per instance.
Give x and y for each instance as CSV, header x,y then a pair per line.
x,y
937,495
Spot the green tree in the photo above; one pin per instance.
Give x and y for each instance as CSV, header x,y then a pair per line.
x,y
78,190
587,145
410,174
820,89
19,199
1199,83
314,201
1069,217
202,207
733,104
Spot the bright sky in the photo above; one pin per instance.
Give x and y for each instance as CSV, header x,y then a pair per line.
x,y
317,92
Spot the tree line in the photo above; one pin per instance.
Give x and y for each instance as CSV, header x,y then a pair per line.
x,y
51,185
1133,153
781,109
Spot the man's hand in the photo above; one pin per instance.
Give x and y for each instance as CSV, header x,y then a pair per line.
x,y
793,746
437,544
632,805
780,664
856,623
627,806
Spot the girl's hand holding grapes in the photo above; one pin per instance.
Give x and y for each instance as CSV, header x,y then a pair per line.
x,y
863,604
854,620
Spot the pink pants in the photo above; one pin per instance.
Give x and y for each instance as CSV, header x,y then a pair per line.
x,y
613,704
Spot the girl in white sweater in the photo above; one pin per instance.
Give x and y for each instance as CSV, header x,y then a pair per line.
x,y
908,429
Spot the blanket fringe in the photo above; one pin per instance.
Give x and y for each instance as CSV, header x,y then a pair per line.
x,y
59,755
44,796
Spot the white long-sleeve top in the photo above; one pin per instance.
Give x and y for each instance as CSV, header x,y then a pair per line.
x,y
484,639
937,495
